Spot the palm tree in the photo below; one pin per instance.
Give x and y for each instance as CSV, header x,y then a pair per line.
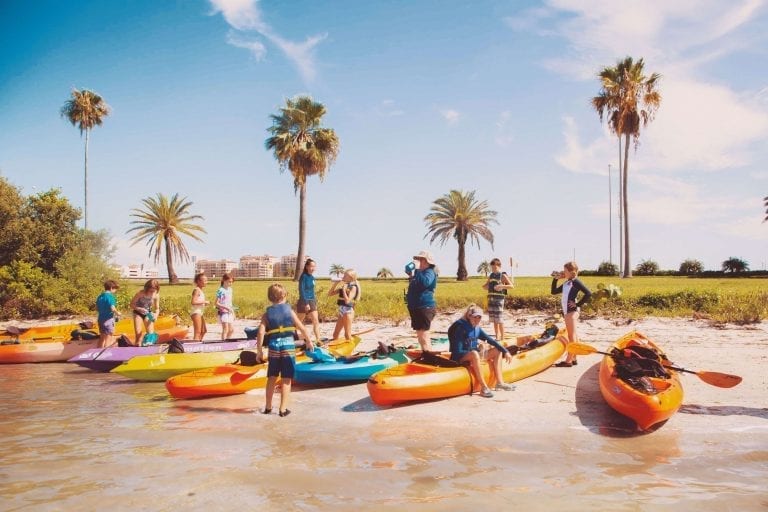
x,y
161,224
735,265
484,267
459,215
384,273
303,147
336,270
85,109
628,98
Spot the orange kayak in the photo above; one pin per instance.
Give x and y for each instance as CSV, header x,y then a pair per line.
x,y
420,381
233,379
59,351
84,330
644,397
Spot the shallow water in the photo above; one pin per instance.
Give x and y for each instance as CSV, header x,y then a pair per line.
x,y
74,439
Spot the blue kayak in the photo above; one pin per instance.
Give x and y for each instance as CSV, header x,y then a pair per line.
x,y
356,368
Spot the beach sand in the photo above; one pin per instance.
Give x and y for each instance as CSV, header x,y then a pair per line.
x,y
552,442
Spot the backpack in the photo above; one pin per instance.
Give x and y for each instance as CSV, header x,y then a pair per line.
x,y
247,358
150,338
175,347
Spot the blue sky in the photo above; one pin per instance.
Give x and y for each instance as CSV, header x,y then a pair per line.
x,y
425,96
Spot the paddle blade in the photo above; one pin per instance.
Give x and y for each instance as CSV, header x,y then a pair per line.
x,y
721,380
581,349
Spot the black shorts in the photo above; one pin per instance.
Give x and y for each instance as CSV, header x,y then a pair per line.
x,y
301,305
421,318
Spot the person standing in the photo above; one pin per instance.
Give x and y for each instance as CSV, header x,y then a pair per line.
x,y
571,306
307,303
197,311
420,297
278,323
225,306
145,306
497,285
465,336
348,290
106,306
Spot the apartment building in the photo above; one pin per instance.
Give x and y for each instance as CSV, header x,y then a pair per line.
x,y
215,268
250,266
136,271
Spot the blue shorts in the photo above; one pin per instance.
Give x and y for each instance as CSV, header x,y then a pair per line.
x,y
345,310
281,366
107,326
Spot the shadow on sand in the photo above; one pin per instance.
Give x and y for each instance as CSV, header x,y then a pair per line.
x,y
595,414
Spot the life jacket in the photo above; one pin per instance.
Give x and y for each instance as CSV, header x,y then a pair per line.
x,y
495,278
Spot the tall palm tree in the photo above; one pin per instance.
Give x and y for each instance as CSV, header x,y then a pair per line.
x,y
484,267
85,109
336,270
459,215
303,147
161,224
628,99
384,273
733,264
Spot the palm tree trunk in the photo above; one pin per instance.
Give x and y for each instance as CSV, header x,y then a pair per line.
x,y
302,230
172,277
625,206
461,274
85,182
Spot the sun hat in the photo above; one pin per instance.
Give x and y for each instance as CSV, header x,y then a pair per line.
x,y
425,255
475,311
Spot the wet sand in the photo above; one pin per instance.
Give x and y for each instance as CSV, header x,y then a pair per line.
x,y
76,439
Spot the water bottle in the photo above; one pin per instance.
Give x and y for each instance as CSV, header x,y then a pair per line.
x,y
410,267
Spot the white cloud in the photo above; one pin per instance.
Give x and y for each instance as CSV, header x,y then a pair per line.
x,y
244,15
586,158
255,47
389,108
450,115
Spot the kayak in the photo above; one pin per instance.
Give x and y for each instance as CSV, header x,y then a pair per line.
x,y
104,360
64,332
160,367
60,351
347,370
234,379
635,383
421,380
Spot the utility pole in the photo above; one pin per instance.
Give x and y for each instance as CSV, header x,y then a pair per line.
x,y
610,219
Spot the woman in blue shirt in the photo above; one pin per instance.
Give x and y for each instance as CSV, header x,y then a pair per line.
x,y
465,336
307,303
420,297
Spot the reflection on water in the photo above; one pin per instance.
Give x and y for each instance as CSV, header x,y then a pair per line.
x,y
77,440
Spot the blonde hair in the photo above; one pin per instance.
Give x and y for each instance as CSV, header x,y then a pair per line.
x,y
276,292
572,266
352,273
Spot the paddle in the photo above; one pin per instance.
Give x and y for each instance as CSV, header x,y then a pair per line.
x,y
721,380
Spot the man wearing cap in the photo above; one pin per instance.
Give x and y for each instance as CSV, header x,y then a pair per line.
x,y
421,297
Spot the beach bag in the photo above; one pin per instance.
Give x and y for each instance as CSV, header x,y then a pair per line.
x,y
175,347
248,358
123,341
251,332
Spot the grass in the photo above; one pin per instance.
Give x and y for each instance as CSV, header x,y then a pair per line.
x,y
730,300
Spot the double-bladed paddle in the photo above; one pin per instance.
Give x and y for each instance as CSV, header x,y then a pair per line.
x,y
721,380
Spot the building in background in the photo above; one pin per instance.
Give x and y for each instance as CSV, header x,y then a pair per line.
x,y
136,271
255,267
216,268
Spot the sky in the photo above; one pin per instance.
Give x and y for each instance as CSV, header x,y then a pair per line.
x,y
426,96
